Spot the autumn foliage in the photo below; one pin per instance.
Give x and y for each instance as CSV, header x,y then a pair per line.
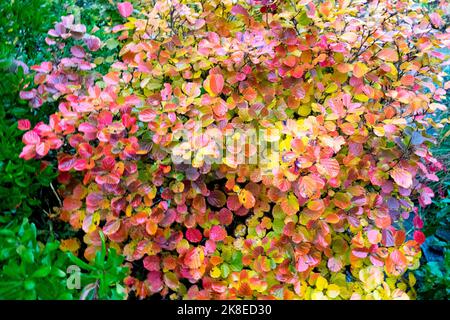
x,y
349,87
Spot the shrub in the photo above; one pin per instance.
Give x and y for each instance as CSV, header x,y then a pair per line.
x,y
339,98
30,269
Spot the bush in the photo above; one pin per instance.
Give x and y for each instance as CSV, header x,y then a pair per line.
x,y
31,269
326,117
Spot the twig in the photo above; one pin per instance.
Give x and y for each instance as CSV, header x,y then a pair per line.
x,y
56,194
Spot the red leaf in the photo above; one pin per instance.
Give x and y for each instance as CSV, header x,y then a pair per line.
x,y
418,222
225,216
233,203
217,198
71,204
290,61
107,179
193,235
419,237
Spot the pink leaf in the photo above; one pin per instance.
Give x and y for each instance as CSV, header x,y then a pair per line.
x,y
31,137
44,67
388,55
93,43
125,9
93,200
77,51
425,196
217,233
66,163
238,9
152,263
28,152
42,148
147,115
24,124
27,95
111,227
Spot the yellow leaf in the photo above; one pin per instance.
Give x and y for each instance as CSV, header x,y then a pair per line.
x,y
333,291
215,272
304,110
331,88
412,279
361,97
360,69
321,283
379,131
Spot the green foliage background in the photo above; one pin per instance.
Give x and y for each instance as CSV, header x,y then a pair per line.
x,y
31,264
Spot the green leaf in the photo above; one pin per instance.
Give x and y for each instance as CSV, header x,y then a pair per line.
x,y
42,272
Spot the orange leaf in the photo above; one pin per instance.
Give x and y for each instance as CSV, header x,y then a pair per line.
x,y
388,55
360,69
307,186
396,263
290,61
316,205
247,199
332,218
216,83
342,200
402,177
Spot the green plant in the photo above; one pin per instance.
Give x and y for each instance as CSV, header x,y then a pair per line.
x,y
30,269
434,277
105,274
